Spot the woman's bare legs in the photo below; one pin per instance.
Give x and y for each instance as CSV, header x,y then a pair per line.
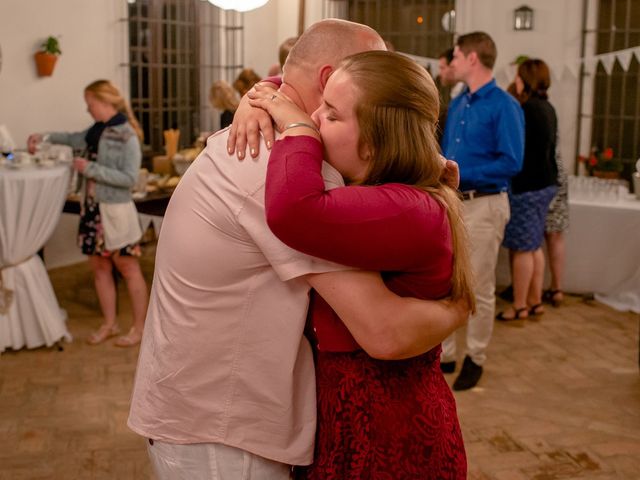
x,y
556,250
521,273
129,268
534,295
106,291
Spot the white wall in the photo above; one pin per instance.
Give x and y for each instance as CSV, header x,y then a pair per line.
x,y
93,43
265,28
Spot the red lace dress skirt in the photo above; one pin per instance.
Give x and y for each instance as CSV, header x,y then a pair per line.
x,y
385,420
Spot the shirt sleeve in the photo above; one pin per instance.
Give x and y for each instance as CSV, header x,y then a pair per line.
x,y
370,227
74,140
287,262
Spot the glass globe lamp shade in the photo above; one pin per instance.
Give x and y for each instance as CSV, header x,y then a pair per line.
x,y
238,5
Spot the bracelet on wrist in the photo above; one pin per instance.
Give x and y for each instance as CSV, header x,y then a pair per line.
x,y
301,124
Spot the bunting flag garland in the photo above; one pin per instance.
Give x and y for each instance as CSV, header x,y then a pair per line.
x,y
624,59
572,67
607,62
608,59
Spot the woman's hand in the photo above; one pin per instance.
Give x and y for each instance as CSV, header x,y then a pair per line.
x,y
283,111
248,124
33,141
80,164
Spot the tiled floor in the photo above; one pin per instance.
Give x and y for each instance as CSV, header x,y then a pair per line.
x,y
560,399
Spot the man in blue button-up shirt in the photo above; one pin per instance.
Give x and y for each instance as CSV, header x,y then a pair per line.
x,y
484,133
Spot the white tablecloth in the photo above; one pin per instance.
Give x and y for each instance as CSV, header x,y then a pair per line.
x,y
31,200
603,252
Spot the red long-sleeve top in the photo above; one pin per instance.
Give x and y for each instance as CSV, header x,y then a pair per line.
x,y
397,229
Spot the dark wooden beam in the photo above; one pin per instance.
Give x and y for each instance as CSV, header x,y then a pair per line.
x,y
301,11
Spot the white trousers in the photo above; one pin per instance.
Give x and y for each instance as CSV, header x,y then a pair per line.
x,y
485,219
211,461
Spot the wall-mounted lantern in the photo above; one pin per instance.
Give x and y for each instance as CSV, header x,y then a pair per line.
x,y
523,18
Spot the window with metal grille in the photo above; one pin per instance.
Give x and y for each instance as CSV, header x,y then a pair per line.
x,y
412,26
177,48
616,99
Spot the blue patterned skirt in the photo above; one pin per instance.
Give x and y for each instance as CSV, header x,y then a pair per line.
x,y
525,230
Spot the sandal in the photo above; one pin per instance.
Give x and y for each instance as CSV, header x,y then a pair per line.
x,y
536,310
103,333
553,297
520,314
131,339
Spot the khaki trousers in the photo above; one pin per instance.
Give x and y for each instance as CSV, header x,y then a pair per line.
x,y
211,461
485,219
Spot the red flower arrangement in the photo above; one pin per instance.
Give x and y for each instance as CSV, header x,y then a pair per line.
x,y
601,161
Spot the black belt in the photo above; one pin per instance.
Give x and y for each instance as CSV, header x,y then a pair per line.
x,y
471,194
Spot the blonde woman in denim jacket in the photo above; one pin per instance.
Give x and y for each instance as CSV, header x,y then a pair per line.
x,y
109,232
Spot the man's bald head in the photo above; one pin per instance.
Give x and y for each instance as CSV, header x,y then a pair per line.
x,y
318,52
330,41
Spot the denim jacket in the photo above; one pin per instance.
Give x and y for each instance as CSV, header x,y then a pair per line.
x,y
118,162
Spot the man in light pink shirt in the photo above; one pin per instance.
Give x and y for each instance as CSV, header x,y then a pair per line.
x,y
225,382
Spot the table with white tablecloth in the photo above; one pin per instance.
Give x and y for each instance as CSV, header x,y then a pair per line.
x,y
31,201
602,252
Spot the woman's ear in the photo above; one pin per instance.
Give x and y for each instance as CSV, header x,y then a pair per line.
x,y
366,153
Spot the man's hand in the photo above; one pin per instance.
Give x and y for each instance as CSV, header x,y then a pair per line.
x,y
248,123
450,174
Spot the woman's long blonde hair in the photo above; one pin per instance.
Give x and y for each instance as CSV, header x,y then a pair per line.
x,y
397,112
105,91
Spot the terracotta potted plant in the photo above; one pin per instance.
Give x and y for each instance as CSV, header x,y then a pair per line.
x,y
47,56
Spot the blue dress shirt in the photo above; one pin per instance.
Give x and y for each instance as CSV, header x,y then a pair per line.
x,y
484,133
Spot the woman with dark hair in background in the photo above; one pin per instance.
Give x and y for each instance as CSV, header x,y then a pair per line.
x,y
531,191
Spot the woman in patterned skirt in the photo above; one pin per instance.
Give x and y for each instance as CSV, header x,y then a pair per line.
x,y
557,222
531,191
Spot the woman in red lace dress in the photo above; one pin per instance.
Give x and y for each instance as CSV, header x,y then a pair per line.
x,y
378,418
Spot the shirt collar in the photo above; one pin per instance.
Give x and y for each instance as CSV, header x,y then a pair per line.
x,y
483,90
